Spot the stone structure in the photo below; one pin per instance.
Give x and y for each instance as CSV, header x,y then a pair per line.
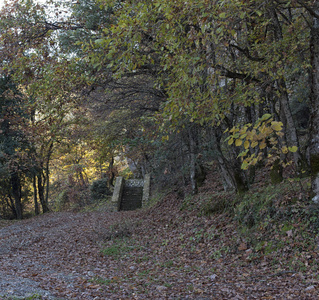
x,y
117,193
131,194
146,189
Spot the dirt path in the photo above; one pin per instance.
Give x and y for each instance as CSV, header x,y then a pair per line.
x,y
52,255
19,287
161,254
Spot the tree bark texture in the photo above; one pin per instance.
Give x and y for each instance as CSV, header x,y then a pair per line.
x,y
314,118
47,179
16,192
228,179
192,148
35,198
11,205
290,127
41,193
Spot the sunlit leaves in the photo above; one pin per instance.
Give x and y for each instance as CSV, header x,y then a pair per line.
x,y
238,142
293,149
276,126
265,134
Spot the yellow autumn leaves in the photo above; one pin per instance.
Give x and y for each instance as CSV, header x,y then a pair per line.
x,y
266,133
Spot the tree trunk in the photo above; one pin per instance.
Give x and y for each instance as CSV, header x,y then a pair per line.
x,y
47,179
314,98
47,189
227,176
192,148
111,173
181,157
228,181
35,198
284,97
41,193
240,179
11,204
16,192
291,127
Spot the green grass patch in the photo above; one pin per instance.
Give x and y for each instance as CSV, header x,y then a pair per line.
x,y
120,248
101,281
31,297
116,250
168,264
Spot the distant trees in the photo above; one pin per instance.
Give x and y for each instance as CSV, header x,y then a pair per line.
x,y
15,166
217,64
169,85
38,74
314,96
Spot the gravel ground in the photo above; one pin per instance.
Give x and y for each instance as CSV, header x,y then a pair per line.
x,y
36,256
13,237
13,287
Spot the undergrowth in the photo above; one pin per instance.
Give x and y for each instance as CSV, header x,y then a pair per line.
x,y
274,221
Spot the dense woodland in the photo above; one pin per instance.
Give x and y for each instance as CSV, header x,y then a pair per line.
x,y
169,88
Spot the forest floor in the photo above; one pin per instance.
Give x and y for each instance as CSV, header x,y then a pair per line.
x,y
192,248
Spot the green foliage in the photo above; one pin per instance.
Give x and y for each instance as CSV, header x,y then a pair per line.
x,y
126,173
218,204
101,281
313,217
93,16
62,200
272,206
156,196
69,196
188,203
13,111
15,154
145,74
253,208
99,189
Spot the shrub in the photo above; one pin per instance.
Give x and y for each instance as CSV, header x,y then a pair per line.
x,y
218,204
71,197
62,200
99,189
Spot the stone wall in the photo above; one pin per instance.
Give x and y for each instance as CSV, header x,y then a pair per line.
x,y
130,190
117,193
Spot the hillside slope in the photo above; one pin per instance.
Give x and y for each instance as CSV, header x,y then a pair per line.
x,y
173,250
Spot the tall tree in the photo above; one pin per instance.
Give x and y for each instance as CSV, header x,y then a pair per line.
x,y
215,64
13,142
314,75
